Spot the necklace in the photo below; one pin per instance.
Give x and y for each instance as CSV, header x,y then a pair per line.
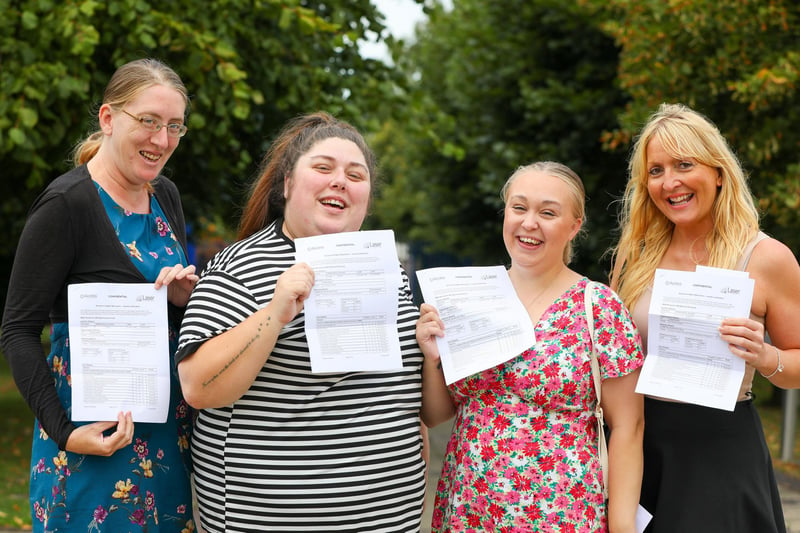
x,y
535,298
692,255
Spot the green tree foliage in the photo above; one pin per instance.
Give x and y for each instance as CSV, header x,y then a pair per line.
x,y
497,85
248,65
736,61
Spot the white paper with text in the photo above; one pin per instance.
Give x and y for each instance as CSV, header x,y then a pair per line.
x,y
119,346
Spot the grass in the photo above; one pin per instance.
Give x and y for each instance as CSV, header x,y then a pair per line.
x,y
16,432
16,428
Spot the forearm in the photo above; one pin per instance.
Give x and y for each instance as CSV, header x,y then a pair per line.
x,y
437,405
26,358
225,366
624,477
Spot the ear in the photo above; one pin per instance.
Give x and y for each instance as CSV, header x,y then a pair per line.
x,y
576,228
286,180
106,118
719,177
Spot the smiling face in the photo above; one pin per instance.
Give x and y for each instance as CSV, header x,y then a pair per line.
x,y
328,190
136,155
683,189
539,219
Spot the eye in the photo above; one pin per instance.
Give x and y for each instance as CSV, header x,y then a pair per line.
x,y
655,171
356,176
685,165
149,122
322,167
174,127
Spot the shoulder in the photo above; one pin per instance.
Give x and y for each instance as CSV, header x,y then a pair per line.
x,y
771,258
165,185
166,191
74,188
264,250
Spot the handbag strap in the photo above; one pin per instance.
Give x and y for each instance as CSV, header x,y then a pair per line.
x,y
602,446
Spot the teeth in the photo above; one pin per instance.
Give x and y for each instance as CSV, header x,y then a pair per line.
x,y
680,199
149,156
334,203
529,240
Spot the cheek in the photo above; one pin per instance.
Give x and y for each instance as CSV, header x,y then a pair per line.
x,y
653,190
361,195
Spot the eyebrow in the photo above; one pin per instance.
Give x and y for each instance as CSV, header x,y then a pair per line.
x,y
523,197
333,159
159,117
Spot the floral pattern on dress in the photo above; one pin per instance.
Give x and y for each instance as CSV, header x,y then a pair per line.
x,y
144,487
523,454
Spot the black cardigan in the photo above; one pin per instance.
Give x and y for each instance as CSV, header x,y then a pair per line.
x,y
68,238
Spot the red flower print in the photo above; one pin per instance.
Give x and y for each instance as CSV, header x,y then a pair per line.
x,y
481,487
496,511
501,423
487,453
137,517
39,511
551,370
140,447
577,491
149,501
100,514
547,463
161,226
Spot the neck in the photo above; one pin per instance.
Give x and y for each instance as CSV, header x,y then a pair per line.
x,y
133,197
529,281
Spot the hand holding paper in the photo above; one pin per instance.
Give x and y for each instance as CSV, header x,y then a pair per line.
x,y
486,323
686,358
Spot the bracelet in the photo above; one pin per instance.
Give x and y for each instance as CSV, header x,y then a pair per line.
x,y
779,368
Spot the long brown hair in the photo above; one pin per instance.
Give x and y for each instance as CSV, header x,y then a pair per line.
x,y
266,202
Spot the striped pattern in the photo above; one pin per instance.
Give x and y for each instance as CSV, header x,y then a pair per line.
x,y
302,451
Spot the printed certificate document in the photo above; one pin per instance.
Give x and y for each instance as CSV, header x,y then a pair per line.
x,y
485,322
351,313
119,343
686,358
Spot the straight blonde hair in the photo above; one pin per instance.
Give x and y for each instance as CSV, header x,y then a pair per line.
x,y
645,233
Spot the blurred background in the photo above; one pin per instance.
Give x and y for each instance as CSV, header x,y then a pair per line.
x,y
453,96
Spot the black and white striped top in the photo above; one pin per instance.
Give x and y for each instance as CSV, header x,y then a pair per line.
x,y
302,451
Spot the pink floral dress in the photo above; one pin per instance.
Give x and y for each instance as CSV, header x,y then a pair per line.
x,y
523,454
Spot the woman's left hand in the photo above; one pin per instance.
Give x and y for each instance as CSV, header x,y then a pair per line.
x,y
745,338
180,280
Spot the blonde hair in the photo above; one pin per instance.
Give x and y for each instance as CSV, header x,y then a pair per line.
x,y
127,83
568,176
645,233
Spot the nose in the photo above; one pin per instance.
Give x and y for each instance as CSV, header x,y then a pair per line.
x,y
530,221
338,179
672,180
160,137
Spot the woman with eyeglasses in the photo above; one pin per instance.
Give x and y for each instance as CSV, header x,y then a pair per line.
x,y
113,218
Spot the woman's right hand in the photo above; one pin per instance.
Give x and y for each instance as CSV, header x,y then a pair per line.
x,y
429,326
291,290
90,439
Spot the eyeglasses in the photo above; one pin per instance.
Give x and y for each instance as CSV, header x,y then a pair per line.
x,y
150,124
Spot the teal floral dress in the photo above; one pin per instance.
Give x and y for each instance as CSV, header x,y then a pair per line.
x,y
523,454
144,487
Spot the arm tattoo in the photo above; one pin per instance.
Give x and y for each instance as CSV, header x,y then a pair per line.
x,y
235,357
